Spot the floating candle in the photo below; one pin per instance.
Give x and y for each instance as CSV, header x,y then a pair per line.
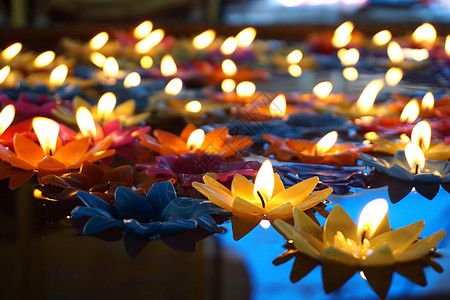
x,y
343,35
344,248
204,39
265,199
382,38
143,30
52,157
216,141
324,151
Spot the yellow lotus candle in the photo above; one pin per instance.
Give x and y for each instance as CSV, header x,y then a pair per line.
x,y
265,199
344,247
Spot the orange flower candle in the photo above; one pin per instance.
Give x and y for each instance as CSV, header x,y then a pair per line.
x,y
51,156
195,140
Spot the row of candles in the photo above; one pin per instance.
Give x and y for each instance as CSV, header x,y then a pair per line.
x,y
105,126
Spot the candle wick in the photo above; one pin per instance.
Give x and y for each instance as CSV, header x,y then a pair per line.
x,y
262,199
50,152
417,168
363,236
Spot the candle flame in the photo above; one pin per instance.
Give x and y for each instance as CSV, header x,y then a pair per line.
x,y
143,30
348,57
382,38
193,106
416,54
229,46
86,122
98,41
245,89
204,39
410,111
228,85
196,139
395,52
147,44
404,138
295,70
146,62
106,105
372,135
174,87
414,156
394,76
47,132
6,117
350,73
168,66
111,67
4,72
428,101
98,59
425,33
327,142
447,44
44,59
264,181
58,75
368,95
323,89
371,216
421,135
246,37
11,51
343,35
133,79
294,57
277,107
229,67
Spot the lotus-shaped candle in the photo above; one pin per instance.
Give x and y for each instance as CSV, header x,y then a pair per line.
x,y
190,167
421,135
325,151
265,199
52,156
104,112
191,139
343,247
98,180
157,214
409,169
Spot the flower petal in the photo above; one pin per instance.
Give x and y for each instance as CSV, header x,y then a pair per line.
x,y
159,196
314,199
72,151
339,220
98,224
208,180
50,164
84,211
207,222
381,256
242,187
130,205
243,226
306,224
295,194
283,212
27,150
399,239
243,208
215,195
420,248
94,201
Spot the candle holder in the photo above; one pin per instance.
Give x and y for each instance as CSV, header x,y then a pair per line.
x,y
160,214
342,248
266,199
